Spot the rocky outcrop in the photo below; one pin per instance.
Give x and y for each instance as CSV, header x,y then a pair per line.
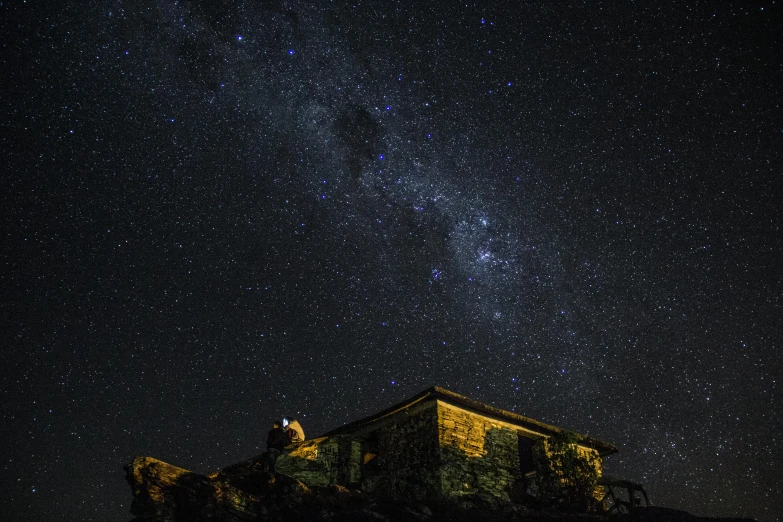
x,y
245,492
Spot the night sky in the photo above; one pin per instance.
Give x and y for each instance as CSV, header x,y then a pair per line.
x,y
217,214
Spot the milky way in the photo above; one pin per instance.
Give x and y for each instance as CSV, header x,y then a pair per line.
x,y
216,215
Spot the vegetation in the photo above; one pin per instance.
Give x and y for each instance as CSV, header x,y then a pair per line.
x,y
565,476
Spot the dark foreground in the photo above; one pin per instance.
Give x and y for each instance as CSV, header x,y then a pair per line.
x,y
244,492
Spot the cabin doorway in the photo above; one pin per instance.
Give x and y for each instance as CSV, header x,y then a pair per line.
x,y
526,466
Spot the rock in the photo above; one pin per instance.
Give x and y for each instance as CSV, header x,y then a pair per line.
x,y
244,492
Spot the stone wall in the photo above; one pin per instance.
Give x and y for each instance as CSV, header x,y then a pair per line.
x,y
349,459
408,456
396,456
479,456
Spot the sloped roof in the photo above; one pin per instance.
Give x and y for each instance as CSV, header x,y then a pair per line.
x,y
438,393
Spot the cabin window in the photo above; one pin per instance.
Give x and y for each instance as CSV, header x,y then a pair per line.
x,y
526,454
370,465
370,452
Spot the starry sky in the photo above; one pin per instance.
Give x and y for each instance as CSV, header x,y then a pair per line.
x,y
215,214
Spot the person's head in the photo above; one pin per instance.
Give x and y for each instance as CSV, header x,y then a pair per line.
x,y
276,424
287,420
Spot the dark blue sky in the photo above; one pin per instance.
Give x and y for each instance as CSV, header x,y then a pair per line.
x,y
215,215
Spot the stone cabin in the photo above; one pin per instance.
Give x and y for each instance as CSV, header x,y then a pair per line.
x,y
435,445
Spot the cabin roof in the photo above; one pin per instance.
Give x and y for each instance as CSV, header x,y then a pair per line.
x,y
438,393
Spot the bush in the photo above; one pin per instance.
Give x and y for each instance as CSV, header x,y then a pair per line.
x,y
565,477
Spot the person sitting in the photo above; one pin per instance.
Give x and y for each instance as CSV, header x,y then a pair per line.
x,y
277,438
276,441
294,429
